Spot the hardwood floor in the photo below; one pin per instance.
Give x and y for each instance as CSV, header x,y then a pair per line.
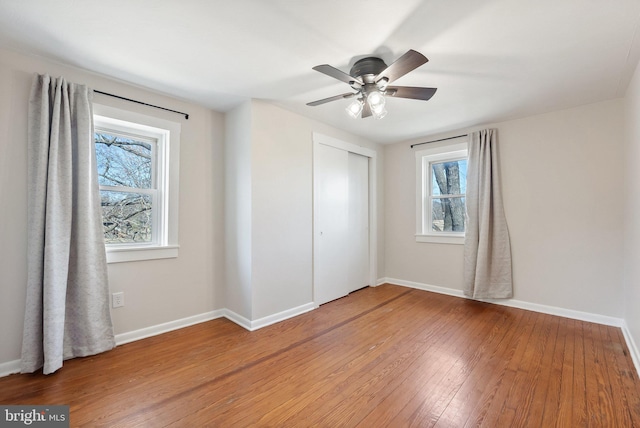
x,y
384,356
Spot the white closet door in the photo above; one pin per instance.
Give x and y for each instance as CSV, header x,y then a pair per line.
x,y
341,223
358,217
331,223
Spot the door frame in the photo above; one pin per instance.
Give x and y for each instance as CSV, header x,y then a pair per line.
x,y
373,215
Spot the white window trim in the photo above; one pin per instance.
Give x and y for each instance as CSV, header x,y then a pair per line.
x,y
425,157
167,246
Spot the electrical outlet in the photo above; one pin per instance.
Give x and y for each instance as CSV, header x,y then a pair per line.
x,y
117,299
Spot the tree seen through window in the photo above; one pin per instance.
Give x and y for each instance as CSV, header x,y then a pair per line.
x,y
126,187
449,181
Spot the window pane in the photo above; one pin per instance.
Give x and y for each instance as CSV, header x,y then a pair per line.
x,y
448,214
449,178
126,217
123,161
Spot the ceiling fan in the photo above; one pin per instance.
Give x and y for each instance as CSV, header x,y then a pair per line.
x,y
370,78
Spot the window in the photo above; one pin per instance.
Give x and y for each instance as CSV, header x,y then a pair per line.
x,y
441,182
128,176
137,166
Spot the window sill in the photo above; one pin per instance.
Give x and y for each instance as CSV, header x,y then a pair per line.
x,y
133,254
433,239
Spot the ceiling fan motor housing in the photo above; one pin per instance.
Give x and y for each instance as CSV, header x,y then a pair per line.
x,y
368,68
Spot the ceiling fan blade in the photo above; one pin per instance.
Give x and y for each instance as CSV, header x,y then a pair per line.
x,y
366,110
406,63
337,74
334,98
410,92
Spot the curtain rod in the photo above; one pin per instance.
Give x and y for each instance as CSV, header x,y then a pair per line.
x,y
186,115
441,139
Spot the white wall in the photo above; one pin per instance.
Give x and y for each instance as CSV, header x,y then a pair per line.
x,y
281,159
562,183
282,210
155,291
632,209
237,157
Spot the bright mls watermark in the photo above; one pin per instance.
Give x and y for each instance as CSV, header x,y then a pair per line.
x,y
34,416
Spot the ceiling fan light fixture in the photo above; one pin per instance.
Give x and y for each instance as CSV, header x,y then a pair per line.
x,y
376,100
355,108
379,112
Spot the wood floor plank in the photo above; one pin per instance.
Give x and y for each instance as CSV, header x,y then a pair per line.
x,y
545,386
513,387
384,356
580,416
611,352
431,409
431,346
628,376
422,382
489,389
436,396
366,378
599,401
428,377
559,400
528,374
495,406
359,351
478,389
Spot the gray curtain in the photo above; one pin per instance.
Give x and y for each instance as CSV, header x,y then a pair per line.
x,y
67,308
487,250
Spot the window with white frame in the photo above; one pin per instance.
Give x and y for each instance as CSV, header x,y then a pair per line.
x,y
441,185
137,162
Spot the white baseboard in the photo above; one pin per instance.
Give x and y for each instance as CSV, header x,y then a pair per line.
x,y
143,333
10,367
281,316
238,319
535,307
270,319
421,286
631,344
561,312
154,330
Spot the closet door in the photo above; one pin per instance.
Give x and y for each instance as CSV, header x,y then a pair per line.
x,y
358,219
341,240
331,172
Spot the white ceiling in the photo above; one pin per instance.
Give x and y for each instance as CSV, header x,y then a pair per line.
x,y
491,60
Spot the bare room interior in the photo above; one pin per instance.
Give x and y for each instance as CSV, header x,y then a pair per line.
x,y
410,213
